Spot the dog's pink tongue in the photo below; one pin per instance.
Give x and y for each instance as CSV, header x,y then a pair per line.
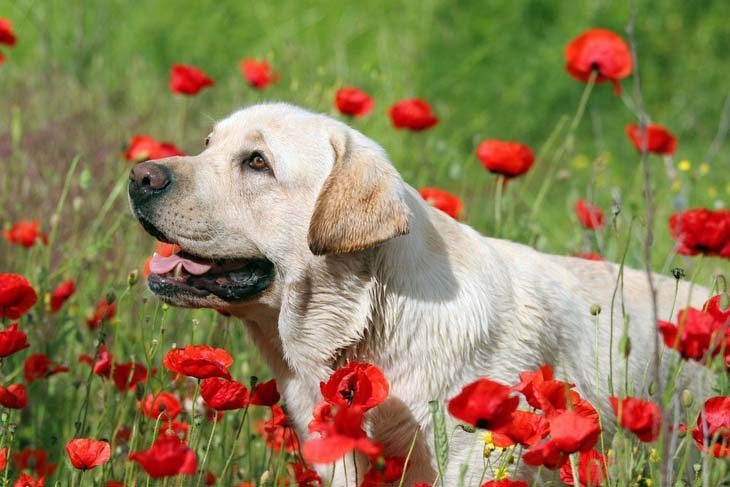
x,y
162,265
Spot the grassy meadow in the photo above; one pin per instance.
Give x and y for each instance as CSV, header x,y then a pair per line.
x,y
85,76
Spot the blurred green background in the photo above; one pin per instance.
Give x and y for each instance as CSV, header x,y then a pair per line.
x,y
86,75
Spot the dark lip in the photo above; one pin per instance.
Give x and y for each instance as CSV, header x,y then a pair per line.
x,y
151,229
236,285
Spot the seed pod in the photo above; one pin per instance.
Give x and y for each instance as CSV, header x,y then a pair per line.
x,y
686,398
595,310
132,278
625,346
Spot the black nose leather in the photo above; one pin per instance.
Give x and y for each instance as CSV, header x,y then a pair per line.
x,y
148,179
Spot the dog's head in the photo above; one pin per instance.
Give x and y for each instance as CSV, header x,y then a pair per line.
x,y
274,187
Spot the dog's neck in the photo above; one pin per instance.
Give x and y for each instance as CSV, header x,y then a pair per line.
x,y
338,308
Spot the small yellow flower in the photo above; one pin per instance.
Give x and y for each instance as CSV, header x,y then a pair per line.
x,y
581,161
488,438
704,168
653,456
685,165
501,474
712,191
676,185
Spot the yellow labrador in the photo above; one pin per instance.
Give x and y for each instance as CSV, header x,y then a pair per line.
x,y
300,226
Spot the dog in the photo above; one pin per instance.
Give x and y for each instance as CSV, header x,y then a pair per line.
x,y
299,225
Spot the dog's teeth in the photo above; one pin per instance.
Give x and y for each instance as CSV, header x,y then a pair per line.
x,y
178,270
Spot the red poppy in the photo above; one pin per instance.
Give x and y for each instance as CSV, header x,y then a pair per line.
x,y
598,50
168,456
163,404
61,294
166,249
413,114
86,453
356,384
510,159
715,308
126,376
3,458
25,480
696,334
16,296
443,200
277,432
265,394
572,432
702,231
210,478
258,73
589,256
12,340
656,138
39,366
590,216
391,470
114,483
543,392
224,394
25,233
484,404
144,147
199,361
712,433
7,36
340,435
546,454
14,396
643,418
353,102
102,366
304,476
188,80
35,459
505,483
591,470
123,435
524,428
103,312
178,429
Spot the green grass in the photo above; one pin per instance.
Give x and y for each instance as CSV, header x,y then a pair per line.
x,y
86,76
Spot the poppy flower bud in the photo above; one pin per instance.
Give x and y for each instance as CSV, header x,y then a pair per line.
x,y
625,346
686,398
467,428
595,310
678,273
110,298
132,278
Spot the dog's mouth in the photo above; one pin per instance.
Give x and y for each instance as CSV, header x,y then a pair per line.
x,y
184,274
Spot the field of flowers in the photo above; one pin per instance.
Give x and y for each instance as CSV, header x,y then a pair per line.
x,y
577,135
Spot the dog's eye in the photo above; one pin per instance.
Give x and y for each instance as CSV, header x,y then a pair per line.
x,y
257,162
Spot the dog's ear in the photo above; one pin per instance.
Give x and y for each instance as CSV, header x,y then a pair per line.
x,y
361,204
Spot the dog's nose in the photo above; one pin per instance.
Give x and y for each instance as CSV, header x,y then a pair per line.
x,y
147,179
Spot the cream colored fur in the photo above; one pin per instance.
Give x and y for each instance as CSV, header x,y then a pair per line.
x,y
435,308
